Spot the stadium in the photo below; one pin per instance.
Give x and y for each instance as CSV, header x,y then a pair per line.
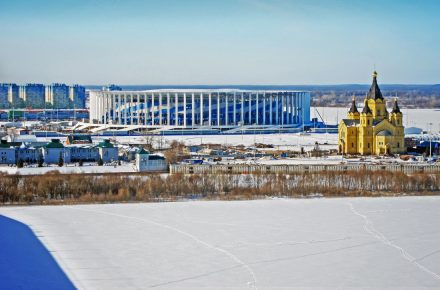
x,y
207,111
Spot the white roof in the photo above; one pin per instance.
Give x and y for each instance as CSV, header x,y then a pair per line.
x,y
222,90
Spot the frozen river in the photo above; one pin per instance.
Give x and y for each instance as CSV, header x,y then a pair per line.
x,y
426,119
265,244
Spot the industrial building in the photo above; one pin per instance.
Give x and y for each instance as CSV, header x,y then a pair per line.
x,y
223,110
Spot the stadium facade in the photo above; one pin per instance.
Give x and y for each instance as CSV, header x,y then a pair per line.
x,y
192,109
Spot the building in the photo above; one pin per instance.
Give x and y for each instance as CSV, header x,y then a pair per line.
x,y
107,151
58,96
4,92
87,153
374,131
50,153
111,88
79,139
14,99
33,95
150,162
44,114
192,109
77,96
28,154
7,153
53,151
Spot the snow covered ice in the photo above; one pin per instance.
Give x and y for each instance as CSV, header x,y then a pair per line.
x,y
264,244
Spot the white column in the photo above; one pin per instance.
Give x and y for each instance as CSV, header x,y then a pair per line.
x,y
193,110
168,109
296,108
271,108
234,110
98,107
138,109
103,115
201,109
145,109
227,109
137,106
104,97
160,108
131,109
108,110
153,110
98,111
250,108
103,108
113,108
264,108
291,108
282,109
256,108
176,102
119,109
242,109
218,109
184,109
276,112
209,109
124,108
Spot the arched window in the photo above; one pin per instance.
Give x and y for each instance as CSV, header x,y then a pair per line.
x,y
352,145
368,122
398,145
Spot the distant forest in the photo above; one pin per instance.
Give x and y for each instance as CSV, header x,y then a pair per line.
x,y
410,96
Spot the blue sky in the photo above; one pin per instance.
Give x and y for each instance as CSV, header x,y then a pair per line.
x,y
219,42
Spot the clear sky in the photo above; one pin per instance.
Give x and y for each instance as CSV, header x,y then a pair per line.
x,y
219,42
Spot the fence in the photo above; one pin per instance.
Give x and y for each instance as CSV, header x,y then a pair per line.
x,y
298,168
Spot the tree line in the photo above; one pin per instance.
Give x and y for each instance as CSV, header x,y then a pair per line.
x,y
55,188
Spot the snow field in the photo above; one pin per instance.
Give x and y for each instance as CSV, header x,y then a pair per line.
x,y
427,119
265,244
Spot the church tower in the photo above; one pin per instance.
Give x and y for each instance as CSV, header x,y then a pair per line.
x,y
353,113
366,130
366,115
396,115
376,101
396,119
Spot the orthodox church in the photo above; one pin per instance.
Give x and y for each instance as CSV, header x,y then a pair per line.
x,y
374,131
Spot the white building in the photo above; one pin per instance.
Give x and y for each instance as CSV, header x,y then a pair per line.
x,y
53,151
7,153
192,109
150,162
107,151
